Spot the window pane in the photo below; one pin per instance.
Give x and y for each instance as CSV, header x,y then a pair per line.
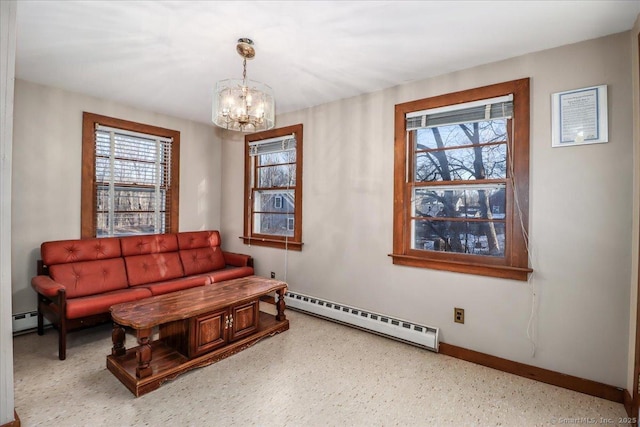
x,y
478,238
134,211
131,172
140,149
274,201
455,136
276,224
130,199
127,223
277,158
277,176
460,164
460,202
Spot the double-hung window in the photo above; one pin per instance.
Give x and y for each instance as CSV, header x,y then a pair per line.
x,y
130,178
273,188
461,181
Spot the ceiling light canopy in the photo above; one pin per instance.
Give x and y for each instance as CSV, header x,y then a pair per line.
x,y
241,104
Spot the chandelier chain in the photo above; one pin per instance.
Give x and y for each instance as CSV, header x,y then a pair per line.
x,y
244,70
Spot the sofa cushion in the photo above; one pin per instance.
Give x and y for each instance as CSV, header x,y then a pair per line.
x,y
230,273
202,260
144,269
165,287
90,277
63,251
96,304
198,239
149,244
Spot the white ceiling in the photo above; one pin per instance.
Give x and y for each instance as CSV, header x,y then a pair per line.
x,y
166,56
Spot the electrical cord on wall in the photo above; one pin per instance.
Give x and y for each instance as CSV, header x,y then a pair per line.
x,y
531,330
286,235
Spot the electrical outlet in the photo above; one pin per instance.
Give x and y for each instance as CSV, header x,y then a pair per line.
x,y
273,274
458,315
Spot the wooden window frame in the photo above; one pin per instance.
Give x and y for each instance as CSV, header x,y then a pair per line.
x,y
88,186
515,263
273,241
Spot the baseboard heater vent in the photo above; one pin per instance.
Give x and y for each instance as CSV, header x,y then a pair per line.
x,y
401,330
26,322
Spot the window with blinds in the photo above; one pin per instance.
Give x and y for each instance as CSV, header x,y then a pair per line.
x,y
133,182
461,173
133,176
273,190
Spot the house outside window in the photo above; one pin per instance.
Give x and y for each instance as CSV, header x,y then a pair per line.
x,y
130,178
461,181
273,188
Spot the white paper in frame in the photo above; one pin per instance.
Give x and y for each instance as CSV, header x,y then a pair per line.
x,y
579,117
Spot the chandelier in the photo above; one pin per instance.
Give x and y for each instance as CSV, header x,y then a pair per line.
x,y
243,105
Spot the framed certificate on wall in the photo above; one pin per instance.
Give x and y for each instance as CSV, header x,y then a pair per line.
x,y
579,117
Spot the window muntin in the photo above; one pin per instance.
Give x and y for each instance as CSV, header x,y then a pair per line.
x,y
273,191
130,178
458,164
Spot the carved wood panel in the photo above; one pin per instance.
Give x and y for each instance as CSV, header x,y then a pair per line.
x,y
208,331
245,320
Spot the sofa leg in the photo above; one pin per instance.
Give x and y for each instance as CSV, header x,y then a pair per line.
x,y
62,342
40,322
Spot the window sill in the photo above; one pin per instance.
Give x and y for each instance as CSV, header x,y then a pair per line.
x,y
272,243
501,271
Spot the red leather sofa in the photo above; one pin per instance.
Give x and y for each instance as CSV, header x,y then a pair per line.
x,y
79,280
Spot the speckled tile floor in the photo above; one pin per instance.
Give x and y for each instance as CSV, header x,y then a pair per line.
x,y
316,374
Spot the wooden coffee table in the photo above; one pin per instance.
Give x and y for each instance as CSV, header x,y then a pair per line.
x,y
195,327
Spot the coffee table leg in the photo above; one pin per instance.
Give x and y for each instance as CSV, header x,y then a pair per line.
x,y
117,337
143,354
280,305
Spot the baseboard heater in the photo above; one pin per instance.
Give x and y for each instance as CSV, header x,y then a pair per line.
x,y
390,327
26,322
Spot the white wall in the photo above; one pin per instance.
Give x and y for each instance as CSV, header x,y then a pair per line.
x,y
580,220
47,169
7,73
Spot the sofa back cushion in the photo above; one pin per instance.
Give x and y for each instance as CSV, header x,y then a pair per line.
x,y
144,269
149,244
200,251
202,260
90,277
198,239
64,251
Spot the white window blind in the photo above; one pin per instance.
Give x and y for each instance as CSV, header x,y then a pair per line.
x,y
133,181
273,145
486,109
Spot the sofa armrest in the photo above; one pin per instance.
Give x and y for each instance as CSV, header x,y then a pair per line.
x,y
46,286
237,260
